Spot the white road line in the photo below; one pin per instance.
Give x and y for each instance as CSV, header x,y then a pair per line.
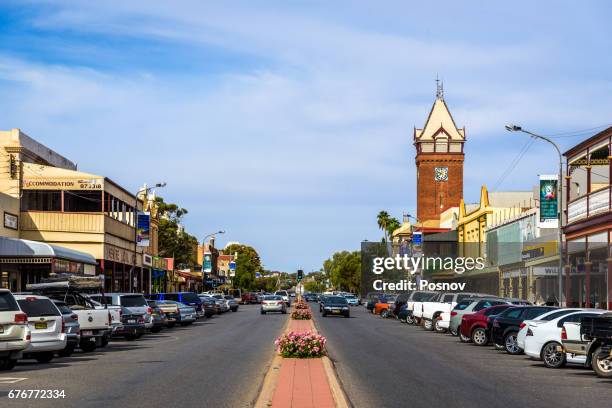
x,y
10,380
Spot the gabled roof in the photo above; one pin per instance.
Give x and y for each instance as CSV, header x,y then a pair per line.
x,y
439,122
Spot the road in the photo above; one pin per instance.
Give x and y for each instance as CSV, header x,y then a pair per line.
x,y
384,363
218,362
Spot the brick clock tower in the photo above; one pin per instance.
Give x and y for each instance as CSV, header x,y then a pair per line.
x,y
439,162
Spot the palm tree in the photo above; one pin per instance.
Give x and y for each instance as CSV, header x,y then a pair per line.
x,y
383,222
392,225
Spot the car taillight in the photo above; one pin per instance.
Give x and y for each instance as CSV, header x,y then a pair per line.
x,y
63,326
453,313
21,318
523,324
29,336
563,334
149,310
141,320
74,317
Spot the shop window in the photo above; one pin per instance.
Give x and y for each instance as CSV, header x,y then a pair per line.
x,y
41,200
82,201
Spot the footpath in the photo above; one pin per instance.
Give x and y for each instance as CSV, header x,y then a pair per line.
x,y
301,382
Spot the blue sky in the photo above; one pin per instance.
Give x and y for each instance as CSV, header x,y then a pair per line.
x,y
289,124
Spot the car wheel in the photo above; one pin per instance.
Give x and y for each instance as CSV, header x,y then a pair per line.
x,y
384,314
88,346
44,358
7,364
602,364
551,356
409,319
511,343
479,337
464,339
453,332
67,352
437,327
428,325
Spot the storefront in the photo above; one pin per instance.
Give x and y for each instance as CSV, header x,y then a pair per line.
x,y
23,262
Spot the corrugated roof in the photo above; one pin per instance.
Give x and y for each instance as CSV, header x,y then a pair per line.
x,y
23,248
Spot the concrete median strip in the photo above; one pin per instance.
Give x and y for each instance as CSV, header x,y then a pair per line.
x,y
301,383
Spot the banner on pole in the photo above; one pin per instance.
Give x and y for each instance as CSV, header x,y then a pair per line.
x,y
143,229
549,201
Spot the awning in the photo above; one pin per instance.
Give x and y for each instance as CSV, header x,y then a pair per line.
x,y
23,248
186,275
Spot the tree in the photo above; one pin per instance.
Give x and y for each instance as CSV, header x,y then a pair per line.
x,y
248,264
344,270
174,242
392,225
383,222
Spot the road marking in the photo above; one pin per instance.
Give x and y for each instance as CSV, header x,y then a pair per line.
x,y
10,380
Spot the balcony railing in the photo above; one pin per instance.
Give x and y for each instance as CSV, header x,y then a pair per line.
x,y
595,203
75,222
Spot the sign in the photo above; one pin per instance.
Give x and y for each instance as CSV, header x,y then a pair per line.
x,y
545,271
549,217
257,275
207,267
143,229
116,254
11,221
232,268
63,184
147,260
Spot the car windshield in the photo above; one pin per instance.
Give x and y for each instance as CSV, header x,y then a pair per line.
x,y
551,316
7,302
228,297
133,301
34,307
272,297
190,297
351,297
335,299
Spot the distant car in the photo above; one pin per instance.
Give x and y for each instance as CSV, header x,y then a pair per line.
x,y
72,328
352,300
336,305
186,298
285,295
221,302
186,314
15,334
132,325
171,311
135,302
46,326
249,298
311,297
273,303
385,305
231,303
466,306
210,305
160,320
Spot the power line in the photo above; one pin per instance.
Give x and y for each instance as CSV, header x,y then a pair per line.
x,y
514,163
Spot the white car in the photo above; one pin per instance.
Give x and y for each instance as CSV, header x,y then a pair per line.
x,y
548,316
46,325
14,331
543,339
443,321
285,295
273,303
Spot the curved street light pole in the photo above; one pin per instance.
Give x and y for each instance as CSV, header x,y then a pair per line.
x,y
514,128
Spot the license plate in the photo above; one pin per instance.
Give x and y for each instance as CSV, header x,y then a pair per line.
x,y
40,325
335,311
86,332
131,321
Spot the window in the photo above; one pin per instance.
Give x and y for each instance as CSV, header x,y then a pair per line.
x,y
553,316
171,296
575,318
38,307
448,298
133,301
535,312
513,313
486,303
462,305
82,201
7,302
495,310
41,200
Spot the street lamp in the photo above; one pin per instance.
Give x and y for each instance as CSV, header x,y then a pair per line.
x,y
515,128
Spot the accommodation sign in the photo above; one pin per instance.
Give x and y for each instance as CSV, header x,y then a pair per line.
x,y
63,184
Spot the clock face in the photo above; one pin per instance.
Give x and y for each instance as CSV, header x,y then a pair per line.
x,y
441,173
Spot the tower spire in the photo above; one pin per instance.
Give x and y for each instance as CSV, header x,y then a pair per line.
x,y
439,88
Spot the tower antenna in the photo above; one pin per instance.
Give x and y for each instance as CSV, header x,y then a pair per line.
x,y
439,88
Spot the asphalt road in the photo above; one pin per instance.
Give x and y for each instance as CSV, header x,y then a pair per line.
x,y
218,362
385,363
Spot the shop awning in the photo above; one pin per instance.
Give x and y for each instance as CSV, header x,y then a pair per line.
x,y
23,248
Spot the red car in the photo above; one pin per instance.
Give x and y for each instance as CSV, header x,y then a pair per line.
x,y
476,326
249,298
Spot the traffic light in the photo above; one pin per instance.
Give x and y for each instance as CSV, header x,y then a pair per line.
x,y
300,275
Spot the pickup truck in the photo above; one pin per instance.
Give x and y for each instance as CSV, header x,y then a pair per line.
x,y
594,340
95,321
414,303
444,302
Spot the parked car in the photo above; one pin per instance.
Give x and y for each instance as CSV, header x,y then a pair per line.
x,y
72,328
416,298
160,320
476,326
385,306
371,300
400,301
221,302
46,326
470,305
541,319
171,311
95,320
543,341
231,303
442,303
506,325
598,332
114,311
249,298
135,303
187,314
186,298
14,332
352,300
273,303
336,305
132,325
210,306
285,295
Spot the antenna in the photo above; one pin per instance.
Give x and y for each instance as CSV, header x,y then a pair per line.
x,y
439,88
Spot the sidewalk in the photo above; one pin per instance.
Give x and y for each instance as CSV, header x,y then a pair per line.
x,y
301,383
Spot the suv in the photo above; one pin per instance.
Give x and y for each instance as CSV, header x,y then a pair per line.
x,y
46,325
285,295
186,298
598,332
14,332
135,303
507,324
